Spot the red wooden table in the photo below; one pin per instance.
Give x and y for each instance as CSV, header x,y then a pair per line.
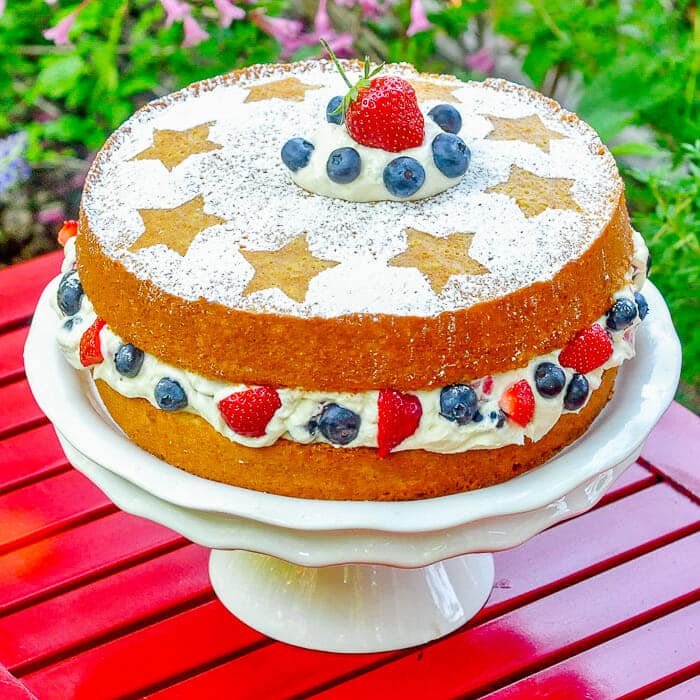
x,y
95,603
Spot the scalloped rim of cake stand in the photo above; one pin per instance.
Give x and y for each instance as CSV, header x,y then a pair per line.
x,y
645,388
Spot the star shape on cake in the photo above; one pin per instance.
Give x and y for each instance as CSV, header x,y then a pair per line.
x,y
529,129
534,194
426,90
175,228
173,147
289,269
439,258
291,89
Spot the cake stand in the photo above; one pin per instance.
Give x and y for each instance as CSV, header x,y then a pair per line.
x,y
355,576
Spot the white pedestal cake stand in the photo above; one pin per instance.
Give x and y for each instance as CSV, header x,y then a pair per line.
x,y
355,576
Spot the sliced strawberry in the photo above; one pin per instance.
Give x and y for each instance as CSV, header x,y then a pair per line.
x,y
589,348
518,402
248,412
399,416
487,385
68,230
90,350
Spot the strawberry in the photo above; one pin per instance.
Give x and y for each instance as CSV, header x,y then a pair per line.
x,y
248,412
588,349
518,402
487,385
68,230
399,415
381,112
90,350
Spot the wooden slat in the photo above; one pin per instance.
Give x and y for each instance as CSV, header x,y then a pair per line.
x,y
21,286
567,553
11,348
83,553
689,690
42,508
29,456
673,448
12,689
130,664
122,601
542,632
638,662
18,410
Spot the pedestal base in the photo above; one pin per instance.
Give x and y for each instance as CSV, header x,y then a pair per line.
x,y
351,607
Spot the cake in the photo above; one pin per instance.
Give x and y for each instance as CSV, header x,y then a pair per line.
x,y
265,301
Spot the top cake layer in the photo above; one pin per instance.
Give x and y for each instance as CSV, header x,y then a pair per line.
x,y
191,195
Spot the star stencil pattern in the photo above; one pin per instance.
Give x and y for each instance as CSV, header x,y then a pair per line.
x,y
439,258
175,228
529,129
291,89
426,90
533,194
173,147
289,269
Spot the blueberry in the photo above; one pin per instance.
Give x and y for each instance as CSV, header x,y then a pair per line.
x,y
337,424
404,176
331,107
296,153
128,360
576,392
478,417
621,314
72,321
641,305
549,379
451,155
498,417
70,294
447,118
458,403
343,165
170,396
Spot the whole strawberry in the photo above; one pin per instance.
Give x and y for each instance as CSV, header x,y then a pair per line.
x,y
399,416
589,348
248,412
381,112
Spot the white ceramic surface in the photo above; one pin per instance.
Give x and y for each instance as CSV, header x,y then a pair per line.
x,y
355,608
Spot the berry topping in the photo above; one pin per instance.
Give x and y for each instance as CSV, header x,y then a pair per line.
x,y
458,403
450,155
337,424
72,321
399,416
478,417
296,153
498,417
334,113
404,176
67,231
90,350
381,112
518,402
128,360
249,412
621,314
169,395
447,118
549,379
589,348
343,165
576,392
641,305
69,294
487,385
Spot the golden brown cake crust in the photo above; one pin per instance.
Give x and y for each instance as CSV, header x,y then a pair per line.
x,y
324,472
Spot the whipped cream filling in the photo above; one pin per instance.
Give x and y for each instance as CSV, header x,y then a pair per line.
x,y
298,407
368,186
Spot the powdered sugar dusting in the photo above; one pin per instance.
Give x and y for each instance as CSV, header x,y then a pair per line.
x,y
246,184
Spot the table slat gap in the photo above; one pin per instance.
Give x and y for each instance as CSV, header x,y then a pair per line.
x,y
56,469
682,688
671,481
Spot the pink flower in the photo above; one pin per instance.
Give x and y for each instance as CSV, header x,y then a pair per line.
x,y
228,12
482,61
59,33
341,44
322,23
194,34
2,7
175,11
288,32
419,20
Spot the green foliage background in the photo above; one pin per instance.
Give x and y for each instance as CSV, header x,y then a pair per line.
x,y
630,68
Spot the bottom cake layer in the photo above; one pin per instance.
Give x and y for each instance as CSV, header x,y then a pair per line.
x,y
321,471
